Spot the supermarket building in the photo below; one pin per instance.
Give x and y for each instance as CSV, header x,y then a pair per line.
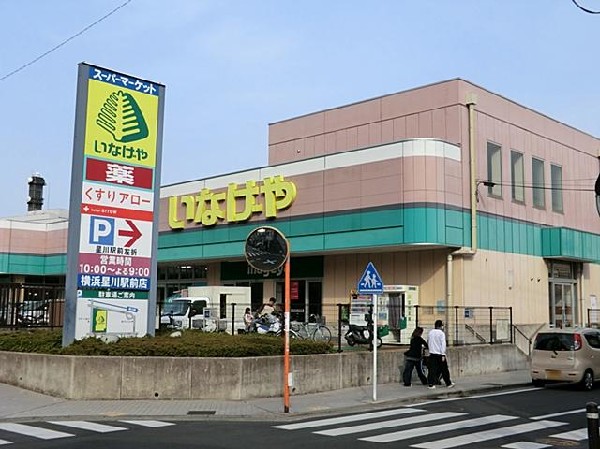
x,y
459,197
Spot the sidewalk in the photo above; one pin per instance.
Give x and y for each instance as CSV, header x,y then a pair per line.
x,y
21,405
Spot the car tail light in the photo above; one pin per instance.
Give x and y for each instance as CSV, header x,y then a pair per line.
x,y
576,341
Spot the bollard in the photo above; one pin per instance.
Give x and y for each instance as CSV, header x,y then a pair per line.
x,y
591,412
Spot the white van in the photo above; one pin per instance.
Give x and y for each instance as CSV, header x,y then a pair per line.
x,y
189,313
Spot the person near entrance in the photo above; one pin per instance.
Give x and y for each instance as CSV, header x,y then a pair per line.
x,y
413,358
268,308
437,362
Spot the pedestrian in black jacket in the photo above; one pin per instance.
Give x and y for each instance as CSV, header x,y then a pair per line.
x,y
413,357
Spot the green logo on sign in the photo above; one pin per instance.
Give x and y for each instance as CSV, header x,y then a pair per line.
x,y
122,117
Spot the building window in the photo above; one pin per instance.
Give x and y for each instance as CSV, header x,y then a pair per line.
x,y
537,176
517,176
556,181
494,169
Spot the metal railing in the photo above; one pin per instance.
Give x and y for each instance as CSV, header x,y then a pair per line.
x,y
27,306
463,325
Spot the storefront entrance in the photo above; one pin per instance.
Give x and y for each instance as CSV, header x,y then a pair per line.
x,y
563,294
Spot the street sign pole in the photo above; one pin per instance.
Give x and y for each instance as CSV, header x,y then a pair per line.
x,y
287,376
267,249
374,337
371,283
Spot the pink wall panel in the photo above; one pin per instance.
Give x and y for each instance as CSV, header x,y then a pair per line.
x,y
387,131
308,125
353,115
4,240
455,116
56,241
352,138
400,128
425,124
28,242
363,136
375,134
412,125
331,143
428,97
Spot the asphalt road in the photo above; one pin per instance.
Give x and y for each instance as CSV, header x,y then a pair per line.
x,y
523,419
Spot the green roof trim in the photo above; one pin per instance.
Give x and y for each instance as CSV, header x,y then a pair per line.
x,y
423,223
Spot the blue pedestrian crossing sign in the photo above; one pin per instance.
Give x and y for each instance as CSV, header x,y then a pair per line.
x,y
370,283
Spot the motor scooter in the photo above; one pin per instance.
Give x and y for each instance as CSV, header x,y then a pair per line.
x,y
266,324
360,335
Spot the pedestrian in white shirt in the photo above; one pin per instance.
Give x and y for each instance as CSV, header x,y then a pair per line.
x,y
437,363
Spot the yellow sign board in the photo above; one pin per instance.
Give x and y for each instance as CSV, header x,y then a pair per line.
x,y
209,208
121,124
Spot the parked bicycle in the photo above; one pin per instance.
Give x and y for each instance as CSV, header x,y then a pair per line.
x,y
314,329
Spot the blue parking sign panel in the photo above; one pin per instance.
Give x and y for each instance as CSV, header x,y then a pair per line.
x,y
370,282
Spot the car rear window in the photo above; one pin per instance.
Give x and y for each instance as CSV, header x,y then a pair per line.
x,y
554,342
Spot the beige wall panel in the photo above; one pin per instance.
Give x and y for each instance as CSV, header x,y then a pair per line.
x,y
589,289
507,280
425,269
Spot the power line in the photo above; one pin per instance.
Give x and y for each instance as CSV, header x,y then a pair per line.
x,y
533,186
585,9
33,61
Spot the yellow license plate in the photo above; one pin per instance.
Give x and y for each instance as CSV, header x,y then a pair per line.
x,y
553,374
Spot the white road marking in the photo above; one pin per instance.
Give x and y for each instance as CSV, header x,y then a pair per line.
x,y
487,435
423,431
347,419
552,415
525,445
149,423
86,425
35,432
574,435
503,393
385,424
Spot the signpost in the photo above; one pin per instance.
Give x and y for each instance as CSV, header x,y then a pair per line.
x,y
113,219
371,283
267,249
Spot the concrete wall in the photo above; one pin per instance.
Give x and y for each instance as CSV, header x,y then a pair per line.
x,y
77,377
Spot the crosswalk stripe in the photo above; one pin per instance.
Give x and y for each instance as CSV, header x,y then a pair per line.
x,y
35,432
423,431
4,442
525,445
85,425
347,419
392,423
574,435
554,415
149,423
487,435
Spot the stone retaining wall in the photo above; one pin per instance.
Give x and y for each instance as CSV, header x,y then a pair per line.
x,y
87,377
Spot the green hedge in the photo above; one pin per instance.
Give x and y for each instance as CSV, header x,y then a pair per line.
x,y
192,343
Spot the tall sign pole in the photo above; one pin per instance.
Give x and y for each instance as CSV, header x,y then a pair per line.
x,y
287,375
374,340
113,211
267,249
372,284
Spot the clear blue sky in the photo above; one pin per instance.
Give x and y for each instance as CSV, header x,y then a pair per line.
x,y
231,67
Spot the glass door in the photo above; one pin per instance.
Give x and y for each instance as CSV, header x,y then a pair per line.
x,y
562,304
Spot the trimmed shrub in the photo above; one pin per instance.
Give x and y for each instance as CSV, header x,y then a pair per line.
x,y
192,343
